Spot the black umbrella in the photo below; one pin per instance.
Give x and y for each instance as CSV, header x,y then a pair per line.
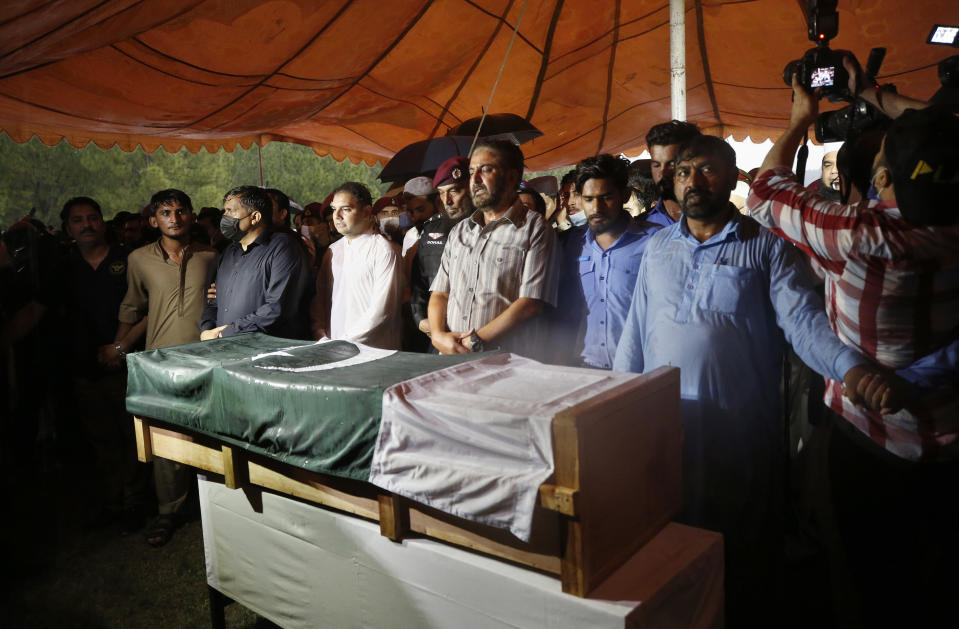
x,y
499,126
424,157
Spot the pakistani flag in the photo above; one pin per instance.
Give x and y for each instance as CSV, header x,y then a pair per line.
x,y
468,434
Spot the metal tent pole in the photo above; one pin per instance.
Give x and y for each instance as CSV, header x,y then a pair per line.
x,y
677,58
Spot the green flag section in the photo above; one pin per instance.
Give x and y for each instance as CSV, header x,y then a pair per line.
x,y
286,399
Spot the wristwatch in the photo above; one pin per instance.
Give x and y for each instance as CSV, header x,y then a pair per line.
x,y
119,350
476,343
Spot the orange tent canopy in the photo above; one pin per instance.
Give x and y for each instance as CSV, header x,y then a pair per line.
x,y
363,78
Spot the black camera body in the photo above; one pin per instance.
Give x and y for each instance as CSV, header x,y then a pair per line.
x,y
850,121
821,68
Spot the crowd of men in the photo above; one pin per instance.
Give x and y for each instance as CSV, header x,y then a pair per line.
x,y
609,268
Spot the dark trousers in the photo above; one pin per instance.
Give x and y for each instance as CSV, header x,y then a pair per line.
x,y
898,523
100,405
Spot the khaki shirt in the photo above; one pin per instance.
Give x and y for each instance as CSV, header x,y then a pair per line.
x,y
486,267
171,295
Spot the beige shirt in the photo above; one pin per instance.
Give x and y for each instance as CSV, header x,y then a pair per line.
x,y
486,267
171,295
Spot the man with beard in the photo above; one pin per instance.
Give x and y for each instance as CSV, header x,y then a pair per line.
x,y
827,186
498,269
714,297
166,285
600,261
663,141
452,183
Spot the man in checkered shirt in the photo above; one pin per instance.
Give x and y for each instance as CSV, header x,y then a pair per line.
x,y
892,292
498,269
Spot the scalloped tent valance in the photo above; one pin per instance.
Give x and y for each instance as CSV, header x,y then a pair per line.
x,y
360,79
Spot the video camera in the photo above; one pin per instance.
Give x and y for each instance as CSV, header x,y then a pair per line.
x,y
821,67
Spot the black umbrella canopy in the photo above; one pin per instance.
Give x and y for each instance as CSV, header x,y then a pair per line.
x,y
499,126
424,157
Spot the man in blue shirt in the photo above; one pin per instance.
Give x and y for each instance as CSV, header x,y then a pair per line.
x,y
600,263
715,294
263,280
663,141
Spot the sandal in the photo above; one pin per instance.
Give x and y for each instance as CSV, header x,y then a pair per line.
x,y
161,530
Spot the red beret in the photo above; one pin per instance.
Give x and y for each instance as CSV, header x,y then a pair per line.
x,y
453,170
313,209
385,202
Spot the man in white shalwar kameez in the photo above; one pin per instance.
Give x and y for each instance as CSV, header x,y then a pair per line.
x,y
360,284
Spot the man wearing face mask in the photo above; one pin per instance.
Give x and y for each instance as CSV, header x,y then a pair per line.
x,y
892,280
393,218
263,279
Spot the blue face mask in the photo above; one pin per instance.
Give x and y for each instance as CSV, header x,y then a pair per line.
x,y
577,219
405,221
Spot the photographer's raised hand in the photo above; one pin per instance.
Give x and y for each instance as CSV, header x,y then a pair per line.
x,y
805,108
887,101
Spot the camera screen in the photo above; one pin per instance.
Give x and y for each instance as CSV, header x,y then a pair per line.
x,y
822,77
943,35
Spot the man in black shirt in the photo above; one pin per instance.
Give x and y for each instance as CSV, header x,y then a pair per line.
x,y
263,280
452,183
96,282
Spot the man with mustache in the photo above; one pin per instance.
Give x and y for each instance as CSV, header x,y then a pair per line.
x,y
452,183
498,270
600,260
166,287
718,297
95,281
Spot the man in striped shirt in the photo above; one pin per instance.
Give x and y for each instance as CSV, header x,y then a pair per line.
x,y
498,270
892,291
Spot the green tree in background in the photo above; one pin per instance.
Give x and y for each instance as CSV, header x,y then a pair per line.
x,y
36,177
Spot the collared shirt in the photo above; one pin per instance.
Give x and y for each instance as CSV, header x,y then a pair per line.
x,y
718,310
486,267
367,290
93,298
597,288
172,295
658,215
263,289
892,289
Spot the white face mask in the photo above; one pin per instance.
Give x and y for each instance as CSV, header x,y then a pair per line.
x,y
577,219
389,223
